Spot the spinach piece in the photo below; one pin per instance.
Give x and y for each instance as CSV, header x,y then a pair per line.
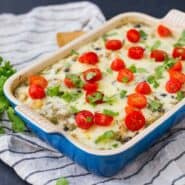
x,y
143,34
155,106
53,91
70,96
123,93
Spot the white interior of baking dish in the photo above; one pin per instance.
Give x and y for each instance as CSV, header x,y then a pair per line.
x,y
174,19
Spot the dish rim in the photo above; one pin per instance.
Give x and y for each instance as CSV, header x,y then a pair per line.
x,y
8,87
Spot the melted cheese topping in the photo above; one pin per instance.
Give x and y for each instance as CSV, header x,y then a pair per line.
x,y
58,110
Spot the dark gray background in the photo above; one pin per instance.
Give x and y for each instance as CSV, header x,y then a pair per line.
x,y
157,8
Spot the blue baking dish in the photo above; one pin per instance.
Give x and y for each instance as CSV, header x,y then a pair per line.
x,y
106,162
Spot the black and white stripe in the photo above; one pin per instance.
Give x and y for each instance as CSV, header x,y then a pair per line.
x,y
27,37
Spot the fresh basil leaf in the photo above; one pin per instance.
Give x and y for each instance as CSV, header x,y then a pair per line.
x,y
62,181
106,137
110,112
123,93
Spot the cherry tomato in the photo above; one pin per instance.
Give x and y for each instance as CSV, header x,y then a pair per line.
x,y
134,121
68,82
36,91
94,97
84,119
117,64
177,75
129,109
92,75
143,88
133,35
173,85
113,44
89,58
137,100
158,55
125,76
163,31
179,52
38,80
136,52
177,66
102,119
90,87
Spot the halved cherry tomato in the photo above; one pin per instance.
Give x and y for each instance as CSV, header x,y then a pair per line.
x,y
137,100
136,52
89,58
125,76
163,31
117,64
68,82
177,66
158,55
179,52
102,119
129,109
36,91
92,75
38,80
177,75
94,97
173,85
113,44
84,119
90,87
135,121
133,35
143,88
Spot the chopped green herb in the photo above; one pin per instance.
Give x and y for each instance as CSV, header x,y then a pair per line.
x,y
156,45
106,35
90,75
141,70
97,96
76,80
106,137
109,100
143,34
180,95
152,80
62,181
181,40
74,52
17,123
125,79
133,68
53,91
115,145
73,110
70,96
110,112
109,70
123,93
155,106
159,72
169,62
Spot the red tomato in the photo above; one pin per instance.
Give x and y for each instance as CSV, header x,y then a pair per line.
x,y
89,58
92,75
38,80
135,120
179,52
158,55
117,64
90,87
113,44
102,119
143,88
125,76
129,109
177,75
163,31
94,97
137,100
68,82
36,92
177,66
136,52
84,119
173,85
133,35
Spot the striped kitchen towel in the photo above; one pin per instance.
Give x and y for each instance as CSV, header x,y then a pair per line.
x,y
27,37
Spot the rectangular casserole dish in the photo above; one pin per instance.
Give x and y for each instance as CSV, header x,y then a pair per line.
x,y
106,162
